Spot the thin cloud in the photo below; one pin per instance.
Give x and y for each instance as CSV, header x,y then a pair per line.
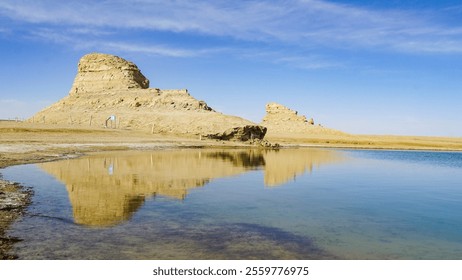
x,y
302,23
290,58
307,62
153,49
111,46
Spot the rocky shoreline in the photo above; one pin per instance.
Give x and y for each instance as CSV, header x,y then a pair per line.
x,y
14,200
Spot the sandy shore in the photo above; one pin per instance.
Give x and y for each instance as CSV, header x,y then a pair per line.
x,y
22,143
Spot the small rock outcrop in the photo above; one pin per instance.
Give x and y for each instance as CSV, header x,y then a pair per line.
x,y
102,72
243,133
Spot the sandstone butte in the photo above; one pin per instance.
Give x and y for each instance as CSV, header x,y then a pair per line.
x,y
281,120
109,91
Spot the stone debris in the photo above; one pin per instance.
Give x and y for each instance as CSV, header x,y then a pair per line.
x,y
13,201
264,143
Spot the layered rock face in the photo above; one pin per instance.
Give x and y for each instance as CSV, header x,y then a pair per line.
x,y
109,91
102,72
281,120
279,114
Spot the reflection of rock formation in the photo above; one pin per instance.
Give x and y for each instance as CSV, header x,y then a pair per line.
x,y
284,165
106,189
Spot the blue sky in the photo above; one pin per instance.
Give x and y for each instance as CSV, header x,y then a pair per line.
x,y
368,67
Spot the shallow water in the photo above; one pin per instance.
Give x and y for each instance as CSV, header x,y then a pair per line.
x,y
244,204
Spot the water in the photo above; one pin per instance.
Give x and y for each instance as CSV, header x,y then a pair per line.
x,y
244,204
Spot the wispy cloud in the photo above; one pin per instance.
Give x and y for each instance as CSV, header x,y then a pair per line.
x,y
304,23
161,50
290,58
307,62
4,30
112,45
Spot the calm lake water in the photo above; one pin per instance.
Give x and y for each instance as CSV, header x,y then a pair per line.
x,y
243,204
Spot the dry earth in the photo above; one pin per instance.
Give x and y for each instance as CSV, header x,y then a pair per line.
x,y
352,141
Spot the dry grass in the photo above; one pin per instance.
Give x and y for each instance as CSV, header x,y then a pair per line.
x,y
371,141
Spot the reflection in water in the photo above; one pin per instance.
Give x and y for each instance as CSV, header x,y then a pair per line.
x,y
284,165
106,189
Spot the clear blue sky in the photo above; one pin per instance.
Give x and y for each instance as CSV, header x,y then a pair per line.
x,y
369,67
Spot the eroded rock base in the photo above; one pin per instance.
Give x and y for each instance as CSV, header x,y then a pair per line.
x,y
243,133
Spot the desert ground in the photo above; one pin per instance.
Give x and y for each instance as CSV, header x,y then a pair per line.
x,y
25,142
350,141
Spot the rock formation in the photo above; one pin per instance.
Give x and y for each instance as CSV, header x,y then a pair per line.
x,y
244,133
279,114
102,72
281,120
109,91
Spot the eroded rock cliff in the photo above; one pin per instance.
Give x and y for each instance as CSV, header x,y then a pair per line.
x,y
103,72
